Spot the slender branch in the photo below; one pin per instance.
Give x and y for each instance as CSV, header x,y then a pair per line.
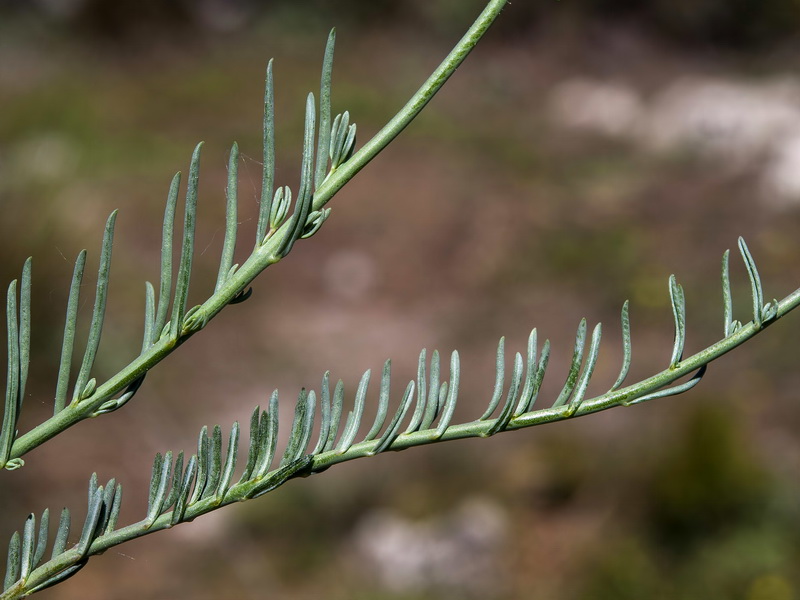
x,y
204,486
264,255
412,108
625,396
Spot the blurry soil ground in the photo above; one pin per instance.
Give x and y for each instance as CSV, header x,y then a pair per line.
x,y
487,217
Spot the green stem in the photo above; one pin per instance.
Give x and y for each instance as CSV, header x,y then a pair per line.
x,y
266,254
480,428
412,108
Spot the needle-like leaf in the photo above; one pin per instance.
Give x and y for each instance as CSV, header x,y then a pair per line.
x,y
61,534
69,333
577,359
41,539
149,315
187,247
433,393
354,418
383,402
679,313
167,233
499,380
393,430
98,314
27,547
627,351
12,564
305,195
268,172
755,282
422,392
583,382
11,414
727,299
231,224
24,330
325,111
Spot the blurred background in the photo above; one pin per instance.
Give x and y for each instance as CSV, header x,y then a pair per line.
x,y
584,152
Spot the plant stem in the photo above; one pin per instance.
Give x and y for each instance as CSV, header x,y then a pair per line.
x,y
311,463
412,108
266,254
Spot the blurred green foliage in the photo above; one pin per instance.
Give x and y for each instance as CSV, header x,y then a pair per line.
x,y
710,526
707,483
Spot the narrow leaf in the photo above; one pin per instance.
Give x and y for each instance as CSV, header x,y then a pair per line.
x,y
325,111
253,448
230,462
202,466
577,359
679,313
62,534
187,248
627,352
452,395
108,502
149,315
93,486
59,578
158,493
280,206
268,172
325,410
155,479
339,140
186,488
727,298
11,414
90,525
24,331
278,477
113,516
540,371
305,194
69,333
336,411
41,540
12,563
499,380
301,428
268,437
354,418
755,282
591,360
422,392
349,144
167,233
175,487
530,374
671,391
215,463
502,421
433,393
231,193
393,430
98,314
383,402
27,547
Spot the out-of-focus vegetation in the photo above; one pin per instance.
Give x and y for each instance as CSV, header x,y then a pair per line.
x,y
734,23
490,215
